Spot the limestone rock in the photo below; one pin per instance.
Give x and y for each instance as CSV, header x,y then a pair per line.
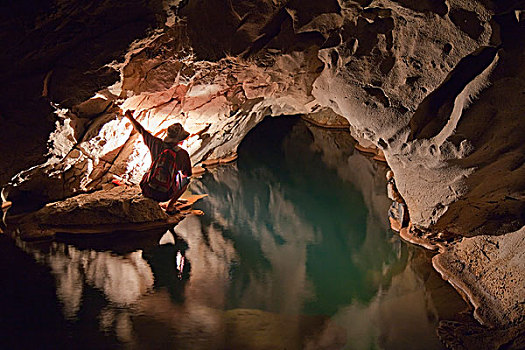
x,y
58,52
469,335
327,118
489,270
436,86
92,107
100,211
419,93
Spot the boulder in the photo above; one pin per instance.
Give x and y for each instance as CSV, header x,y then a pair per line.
x,y
489,271
118,209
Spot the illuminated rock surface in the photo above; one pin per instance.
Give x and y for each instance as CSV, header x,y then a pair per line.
x,y
117,209
489,269
419,81
438,86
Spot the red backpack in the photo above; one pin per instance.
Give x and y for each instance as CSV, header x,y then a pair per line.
x,y
160,181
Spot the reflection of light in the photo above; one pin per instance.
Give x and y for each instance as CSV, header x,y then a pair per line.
x,y
122,279
167,238
180,264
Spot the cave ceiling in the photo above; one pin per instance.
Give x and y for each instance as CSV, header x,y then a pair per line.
x,y
438,86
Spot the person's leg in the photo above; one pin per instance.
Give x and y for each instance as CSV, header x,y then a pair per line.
x,y
171,208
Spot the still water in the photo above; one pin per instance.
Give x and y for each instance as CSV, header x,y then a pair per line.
x,y
293,252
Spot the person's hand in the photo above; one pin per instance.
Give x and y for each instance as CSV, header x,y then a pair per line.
x,y
127,113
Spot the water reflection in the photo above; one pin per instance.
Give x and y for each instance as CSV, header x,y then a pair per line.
x,y
298,223
293,252
169,265
122,279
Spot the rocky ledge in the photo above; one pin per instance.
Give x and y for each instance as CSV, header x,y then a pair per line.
x,y
486,270
489,272
121,208
436,86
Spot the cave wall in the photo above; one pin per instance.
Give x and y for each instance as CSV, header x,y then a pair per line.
x,y
437,85
54,55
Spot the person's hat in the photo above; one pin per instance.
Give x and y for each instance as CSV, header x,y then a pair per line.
x,y
176,133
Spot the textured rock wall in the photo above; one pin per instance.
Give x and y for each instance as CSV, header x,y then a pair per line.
x,y
420,80
489,270
56,52
437,85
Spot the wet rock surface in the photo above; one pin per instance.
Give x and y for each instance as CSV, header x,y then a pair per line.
x,y
118,209
489,270
418,80
436,87
470,335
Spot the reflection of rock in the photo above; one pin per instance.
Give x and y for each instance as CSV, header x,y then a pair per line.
x,y
278,283
203,327
419,79
368,177
286,254
122,279
200,323
401,315
255,329
398,291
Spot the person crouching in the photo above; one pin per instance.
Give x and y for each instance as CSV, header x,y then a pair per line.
x,y
169,174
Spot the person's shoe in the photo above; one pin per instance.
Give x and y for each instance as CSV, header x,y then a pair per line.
x,y
172,211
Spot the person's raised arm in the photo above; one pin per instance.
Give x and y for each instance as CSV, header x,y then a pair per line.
x,y
135,123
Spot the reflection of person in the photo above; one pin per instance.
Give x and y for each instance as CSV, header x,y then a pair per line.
x,y
176,134
171,269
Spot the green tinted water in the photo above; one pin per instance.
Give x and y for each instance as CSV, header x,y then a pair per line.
x,y
293,252
289,211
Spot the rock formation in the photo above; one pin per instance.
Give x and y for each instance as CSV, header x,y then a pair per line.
x,y
116,209
489,270
436,85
